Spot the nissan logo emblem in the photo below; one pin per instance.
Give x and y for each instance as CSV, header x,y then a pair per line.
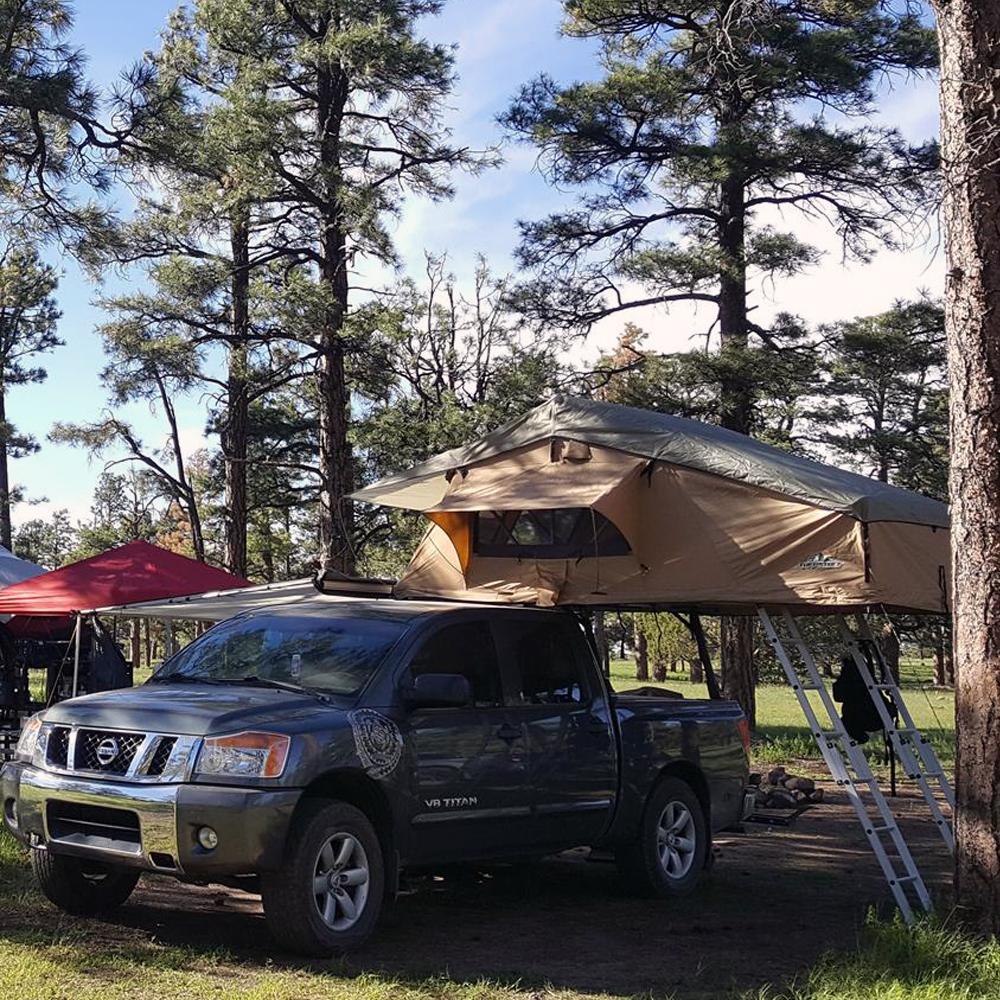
x,y
107,751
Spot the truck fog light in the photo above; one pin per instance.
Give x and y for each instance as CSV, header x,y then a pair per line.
x,y
208,838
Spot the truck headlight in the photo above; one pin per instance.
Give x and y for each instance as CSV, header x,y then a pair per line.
x,y
244,755
28,743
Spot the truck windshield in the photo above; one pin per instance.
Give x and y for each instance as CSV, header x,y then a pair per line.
x,y
332,655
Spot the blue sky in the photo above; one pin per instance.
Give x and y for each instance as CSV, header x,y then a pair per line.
x,y
501,44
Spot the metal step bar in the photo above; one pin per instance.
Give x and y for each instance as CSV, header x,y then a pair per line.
x,y
846,759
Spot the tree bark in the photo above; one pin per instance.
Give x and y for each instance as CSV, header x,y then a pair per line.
x,y
735,412
335,457
641,655
736,655
969,35
237,417
940,677
5,525
601,641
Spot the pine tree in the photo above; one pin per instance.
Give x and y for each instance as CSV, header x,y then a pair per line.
x,y
28,318
709,117
59,136
884,402
341,110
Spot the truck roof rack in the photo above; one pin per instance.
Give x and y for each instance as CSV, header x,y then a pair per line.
x,y
341,585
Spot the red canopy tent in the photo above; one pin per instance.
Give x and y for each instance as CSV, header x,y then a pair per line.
x,y
134,572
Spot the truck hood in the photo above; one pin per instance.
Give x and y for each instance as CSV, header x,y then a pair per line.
x,y
190,709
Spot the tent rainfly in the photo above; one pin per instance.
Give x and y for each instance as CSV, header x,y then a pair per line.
x,y
591,504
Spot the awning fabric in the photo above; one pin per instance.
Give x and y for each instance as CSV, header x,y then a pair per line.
x,y
217,606
713,519
137,571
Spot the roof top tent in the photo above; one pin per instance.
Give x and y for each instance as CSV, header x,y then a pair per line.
x,y
587,504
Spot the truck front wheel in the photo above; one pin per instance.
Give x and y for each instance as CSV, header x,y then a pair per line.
x,y
80,886
326,897
668,856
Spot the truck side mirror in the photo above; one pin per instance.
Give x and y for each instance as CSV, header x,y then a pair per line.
x,y
439,691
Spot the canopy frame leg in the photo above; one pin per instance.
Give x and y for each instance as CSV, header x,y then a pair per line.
x,y
76,654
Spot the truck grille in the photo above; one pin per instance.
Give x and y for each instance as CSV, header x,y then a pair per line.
x,y
117,753
161,755
110,752
59,746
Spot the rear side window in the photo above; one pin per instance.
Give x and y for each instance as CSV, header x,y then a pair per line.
x,y
465,649
549,666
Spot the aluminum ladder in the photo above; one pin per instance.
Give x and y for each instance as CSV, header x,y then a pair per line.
x,y
847,762
914,750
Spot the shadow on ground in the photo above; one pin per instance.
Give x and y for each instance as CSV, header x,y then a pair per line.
x,y
775,901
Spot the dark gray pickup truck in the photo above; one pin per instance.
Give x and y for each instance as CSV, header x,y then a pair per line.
x,y
314,753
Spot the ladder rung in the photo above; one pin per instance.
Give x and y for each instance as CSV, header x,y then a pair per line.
x,y
882,829
907,878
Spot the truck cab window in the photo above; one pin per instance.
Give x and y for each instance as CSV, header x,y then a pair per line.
x,y
465,649
549,667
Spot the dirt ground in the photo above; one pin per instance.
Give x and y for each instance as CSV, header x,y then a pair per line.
x,y
776,900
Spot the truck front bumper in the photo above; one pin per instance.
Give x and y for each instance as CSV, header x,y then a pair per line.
x,y
149,826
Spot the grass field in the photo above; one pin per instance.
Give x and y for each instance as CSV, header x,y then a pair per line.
x,y
782,734
45,955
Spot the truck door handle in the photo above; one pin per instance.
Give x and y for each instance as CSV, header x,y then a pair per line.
x,y
509,732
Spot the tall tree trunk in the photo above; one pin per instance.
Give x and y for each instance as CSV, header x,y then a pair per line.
x,y
601,641
736,655
237,417
5,526
184,490
736,412
641,654
940,677
969,35
335,457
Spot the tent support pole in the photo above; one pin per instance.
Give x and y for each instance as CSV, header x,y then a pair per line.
x,y
76,655
693,623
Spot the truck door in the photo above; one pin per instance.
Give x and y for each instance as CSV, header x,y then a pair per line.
x,y
570,740
469,765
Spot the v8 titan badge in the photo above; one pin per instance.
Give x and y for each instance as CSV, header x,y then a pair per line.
x,y
378,741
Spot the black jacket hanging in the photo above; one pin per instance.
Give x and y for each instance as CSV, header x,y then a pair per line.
x,y
859,712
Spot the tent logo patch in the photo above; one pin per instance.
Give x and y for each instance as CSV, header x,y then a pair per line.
x,y
820,561
378,741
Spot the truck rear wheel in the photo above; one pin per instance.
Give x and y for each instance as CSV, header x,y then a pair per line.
x,y
669,853
326,898
81,886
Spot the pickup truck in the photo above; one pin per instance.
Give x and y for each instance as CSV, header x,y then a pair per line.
x,y
314,753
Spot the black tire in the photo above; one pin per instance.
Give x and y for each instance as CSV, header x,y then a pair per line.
x,y
292,908
80,886
661,867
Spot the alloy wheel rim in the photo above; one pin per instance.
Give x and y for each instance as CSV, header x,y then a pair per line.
x,y
676,841
340,881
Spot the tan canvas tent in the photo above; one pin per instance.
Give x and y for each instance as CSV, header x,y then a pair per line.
x,y
587,503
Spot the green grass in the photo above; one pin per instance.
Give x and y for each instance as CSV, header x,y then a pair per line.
x,y
782,734
48,956
931,961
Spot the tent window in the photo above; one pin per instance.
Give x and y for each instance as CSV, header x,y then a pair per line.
x,y
564,533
